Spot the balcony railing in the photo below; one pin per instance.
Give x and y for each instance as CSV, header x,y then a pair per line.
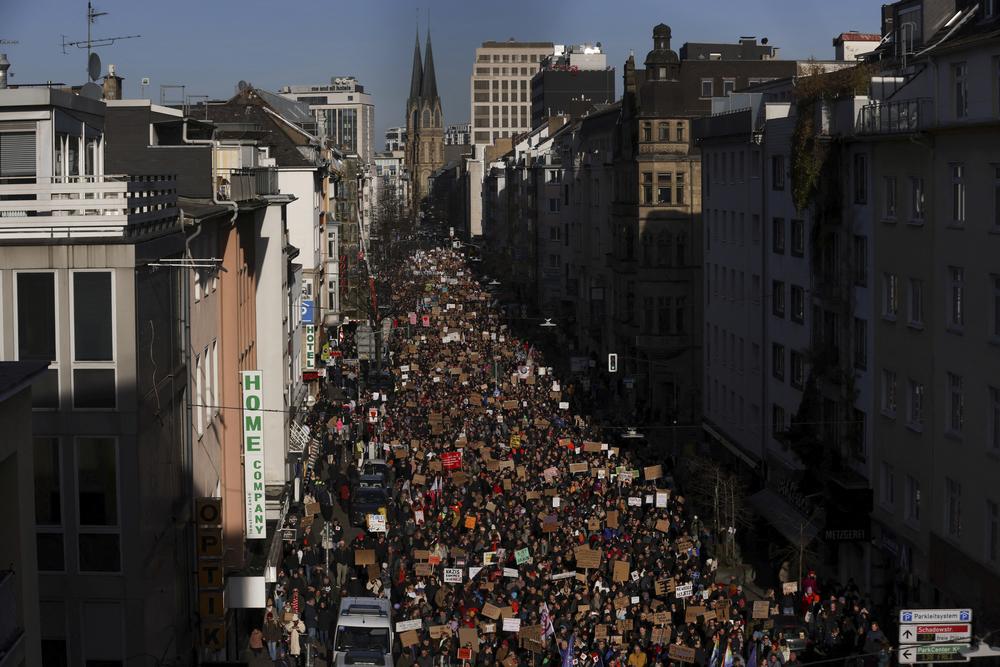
x,y
72,206
896,117
248,183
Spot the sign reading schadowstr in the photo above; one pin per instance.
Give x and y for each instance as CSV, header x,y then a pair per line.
x,y
253,453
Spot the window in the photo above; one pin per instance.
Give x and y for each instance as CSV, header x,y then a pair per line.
x,y
778,298
679,132
960,89
679,188
679,306
956,297
93,340
777,172
889,197
887,485
953,508
755,228
956,405
915,303
798,365
798,304
664,131
755,288
664,188
890,296
958,194
97,482
553,204
17,153
777,419
48,505
728,86
911,512
993,421
861,261
647,187
915,406
707,86
663,315
860,344
888,393
36,332
860,178
778,235
647,131
199,407
778,361
798,238
917,191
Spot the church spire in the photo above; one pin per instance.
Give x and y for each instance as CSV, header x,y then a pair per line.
x,y
417,76
428,88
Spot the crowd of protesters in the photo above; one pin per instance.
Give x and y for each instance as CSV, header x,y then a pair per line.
x,y
518,535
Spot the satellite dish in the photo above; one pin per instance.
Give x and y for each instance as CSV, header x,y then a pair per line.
x,y
242,85
91,90
94,66
764,41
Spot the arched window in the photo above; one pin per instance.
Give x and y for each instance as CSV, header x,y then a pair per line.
x,y
414,120
437,118
427,118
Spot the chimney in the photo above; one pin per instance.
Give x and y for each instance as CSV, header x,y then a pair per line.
x,y
4,66
112,85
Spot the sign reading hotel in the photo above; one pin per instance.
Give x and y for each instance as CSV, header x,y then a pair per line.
x,y
253,454
310,346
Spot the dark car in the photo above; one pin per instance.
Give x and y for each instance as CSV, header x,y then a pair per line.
x,y
794,630
367,500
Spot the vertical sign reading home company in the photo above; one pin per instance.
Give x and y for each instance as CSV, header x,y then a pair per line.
x,y
253,453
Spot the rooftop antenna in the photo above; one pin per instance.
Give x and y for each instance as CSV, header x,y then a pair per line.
x,y
91,42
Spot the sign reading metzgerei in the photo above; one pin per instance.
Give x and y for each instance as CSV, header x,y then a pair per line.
x,y
253,453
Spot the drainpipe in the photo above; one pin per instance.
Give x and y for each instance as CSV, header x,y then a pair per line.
x,y
215,145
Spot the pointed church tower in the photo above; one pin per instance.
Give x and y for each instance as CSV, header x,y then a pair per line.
x,y
424,123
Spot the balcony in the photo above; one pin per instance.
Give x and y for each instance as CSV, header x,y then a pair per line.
x,y
899,117
40,207
248,183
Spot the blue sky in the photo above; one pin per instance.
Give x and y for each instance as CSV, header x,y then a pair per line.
x,y
209,45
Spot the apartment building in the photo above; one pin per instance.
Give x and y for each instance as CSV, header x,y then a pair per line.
x,y
344,114
395,139
571,82
500,88
932,183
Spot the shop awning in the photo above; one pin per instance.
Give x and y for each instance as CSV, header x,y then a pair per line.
x,y
797,528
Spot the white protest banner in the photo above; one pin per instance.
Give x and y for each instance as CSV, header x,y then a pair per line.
x,y
452,575
684,591
661,498
564,405
403,626
510,572
635,501
649,499
376,523
562,575
511,625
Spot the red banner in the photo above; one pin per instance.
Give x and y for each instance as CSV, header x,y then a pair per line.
x,y
451,460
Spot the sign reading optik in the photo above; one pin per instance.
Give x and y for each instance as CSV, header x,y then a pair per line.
x,y
253,454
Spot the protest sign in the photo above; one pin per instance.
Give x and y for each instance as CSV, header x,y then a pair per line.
x,y
364,556
453,575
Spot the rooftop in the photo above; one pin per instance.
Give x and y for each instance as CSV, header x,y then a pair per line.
x,y
511,44
857,37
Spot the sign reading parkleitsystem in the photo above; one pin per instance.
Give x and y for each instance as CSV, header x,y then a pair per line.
x,y
253,453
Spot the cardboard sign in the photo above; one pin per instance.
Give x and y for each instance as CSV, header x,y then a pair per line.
x,y
622,601
652,472
692,613
423,569
491,611
590,446
620,570
593,525
661,617
364,556
662,525
600,631
409,638
421,554
761,609
588,558
681,653
578,467
612,519
470,522
439,631
469,638
790,587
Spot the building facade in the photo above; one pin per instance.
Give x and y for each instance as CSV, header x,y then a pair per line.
x,y
571,82
500,88
344,114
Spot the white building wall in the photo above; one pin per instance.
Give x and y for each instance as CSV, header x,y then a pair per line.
x,y
272,342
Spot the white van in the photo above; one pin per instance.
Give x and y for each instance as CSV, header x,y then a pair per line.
x,y
364,633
